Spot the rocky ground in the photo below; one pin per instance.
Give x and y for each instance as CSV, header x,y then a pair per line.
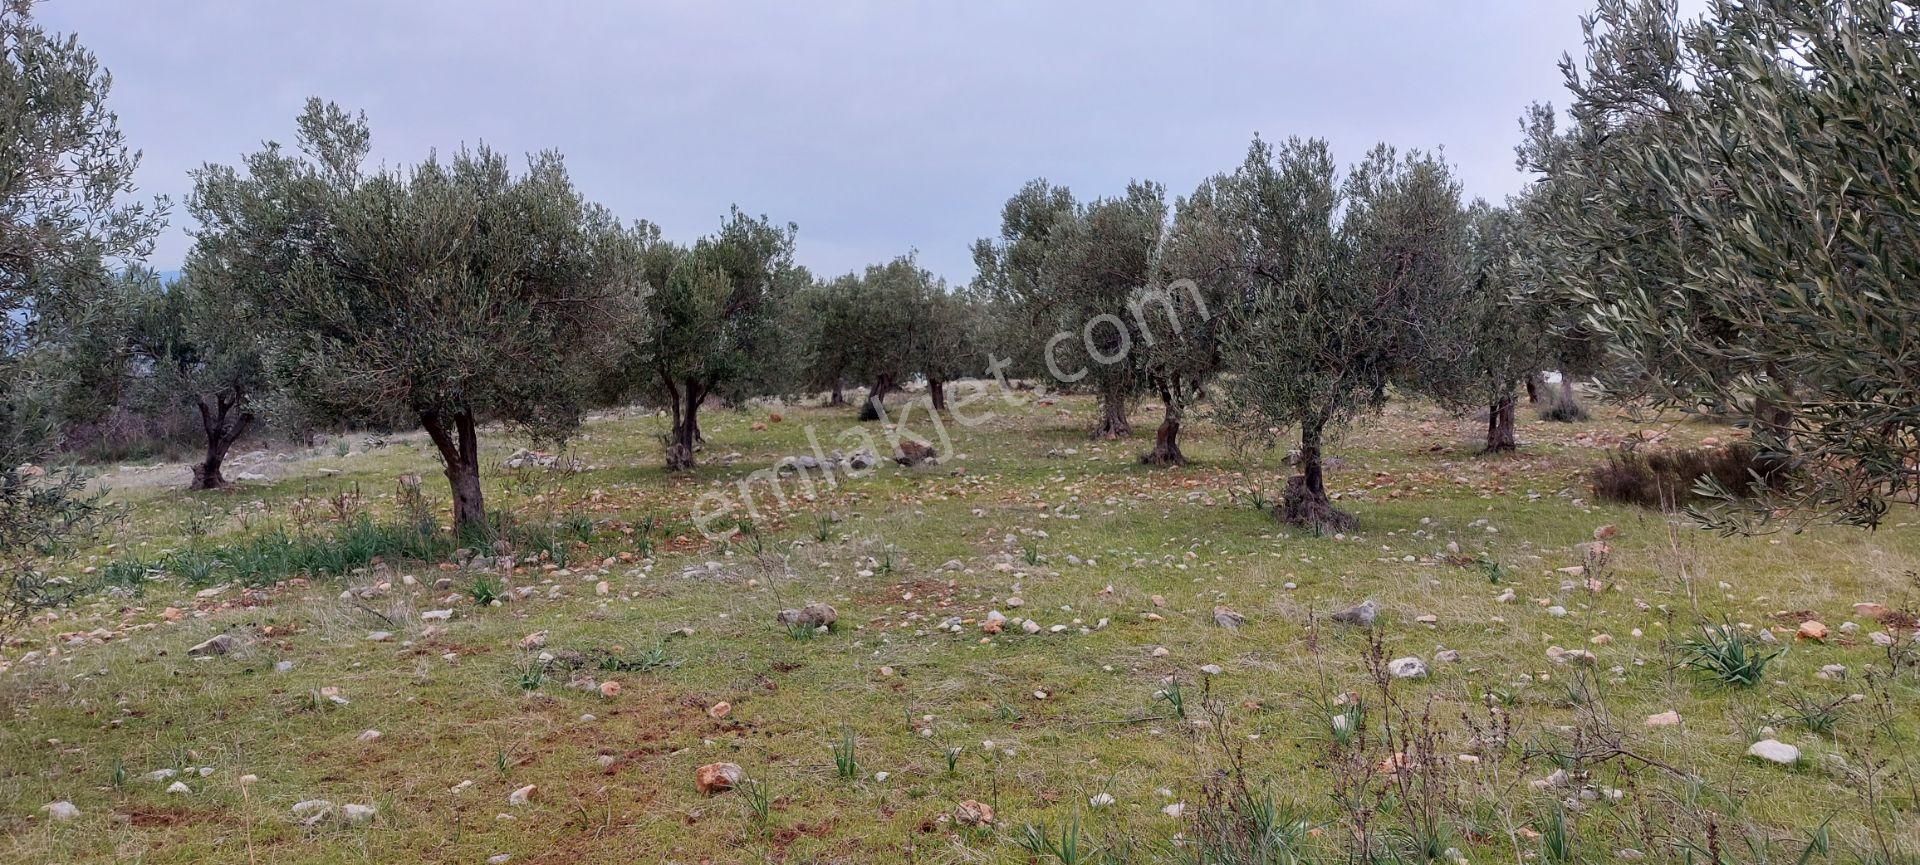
x,y
1026,648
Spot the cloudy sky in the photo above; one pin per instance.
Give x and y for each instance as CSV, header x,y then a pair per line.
x,y
878,127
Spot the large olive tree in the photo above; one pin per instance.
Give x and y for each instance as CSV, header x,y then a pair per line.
x,y
194,358
451,294
1755,170
66,227
1355,288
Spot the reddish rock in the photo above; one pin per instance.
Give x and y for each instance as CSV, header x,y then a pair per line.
x,y
715,778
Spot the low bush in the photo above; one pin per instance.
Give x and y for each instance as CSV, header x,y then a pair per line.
x,y
1669,479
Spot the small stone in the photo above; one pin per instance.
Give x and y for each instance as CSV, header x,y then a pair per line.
x,y
523,795
1428,619
179,787
500,859
815,615
1015,602
1669,718
1447,656
1030,626
380,637
1362,614
1870,611
219,644
1557,611
436,615
1160,651
1227,618
610,689
369,736
535,640
312,811
715,778
353,813
1407,668
972,813
719,710
61,810
1812,629
1212,670
1774,751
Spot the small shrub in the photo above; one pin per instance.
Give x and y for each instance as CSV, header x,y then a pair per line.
x,y
845,761
1669,479
1729,655
485,589
1039,842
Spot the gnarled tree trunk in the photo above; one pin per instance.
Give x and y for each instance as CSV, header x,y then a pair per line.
x,y
1113,418
839,396
1305,502
1534,388
874,408
223,423
459,445
937,388
685,435
1500,424
1166,440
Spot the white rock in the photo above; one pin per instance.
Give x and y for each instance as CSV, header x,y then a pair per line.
x,y
1212,670
436,615
61,810
1407,668
179,787
380,637
370,736
1669,718
523,795
353,813
312,811
1774,751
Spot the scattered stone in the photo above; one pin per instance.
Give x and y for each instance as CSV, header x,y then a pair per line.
x,y
972,813
380,637
533,641
436,615
719,710
61,810
312,811
1774,751
610,689
815,615
1407,668
356,814
1872,611
179,788
1447,656
1030,626
1227,618
913,453
715,778
1669,718
369,736
523,795
1812,629
1557,611
1212,670
1362,614
1015,603
220,644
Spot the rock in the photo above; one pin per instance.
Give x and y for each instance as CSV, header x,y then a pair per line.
x,y
369,736
1212,670
609,689
1447,656
499,859
380,637
1428,619
61,810
953,565
1015,603
179,788
1030,626
356,814
220,644
815,615
523,795
436,615
312,811
1834,672
1669,718
1227,618
535,640
972,813
913,453
1774,751
715,778
1872,611
719,710
1362,614
1407,668
1811,629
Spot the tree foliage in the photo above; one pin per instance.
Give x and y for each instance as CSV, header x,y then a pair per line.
x,y
451,294
1735,200
1356,285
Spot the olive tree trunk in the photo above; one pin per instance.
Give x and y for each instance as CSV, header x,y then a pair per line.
x,y
459,445
686,425
1166,440
937,389
1500,424
874,408
1305,502
223,423
1113,418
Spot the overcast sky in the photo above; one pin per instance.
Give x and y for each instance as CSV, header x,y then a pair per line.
x,y
878,127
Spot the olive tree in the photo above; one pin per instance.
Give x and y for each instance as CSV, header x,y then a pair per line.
x,y
452,294
1504,329
1763,156
716,315
66,228
1197,291
1355,282
194,357
889,318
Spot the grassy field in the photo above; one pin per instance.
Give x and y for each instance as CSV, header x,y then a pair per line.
x,y
1142,726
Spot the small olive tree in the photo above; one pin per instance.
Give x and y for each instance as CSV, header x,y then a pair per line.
x,y
452,294
716,321
194,357
1185,318
1755,168
1356,285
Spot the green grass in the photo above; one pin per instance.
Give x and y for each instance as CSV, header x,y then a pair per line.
x,y
459,700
